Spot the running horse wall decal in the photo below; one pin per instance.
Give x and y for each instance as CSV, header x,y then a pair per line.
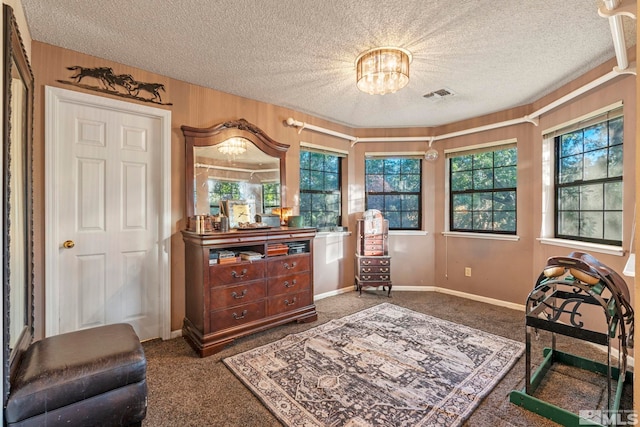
x,y
123,85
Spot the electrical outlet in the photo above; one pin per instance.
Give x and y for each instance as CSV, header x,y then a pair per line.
x,y
467,271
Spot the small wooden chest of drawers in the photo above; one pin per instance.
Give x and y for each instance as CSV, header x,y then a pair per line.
x,y
373,271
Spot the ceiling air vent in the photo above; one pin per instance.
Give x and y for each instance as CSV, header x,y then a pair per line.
x,y
439,94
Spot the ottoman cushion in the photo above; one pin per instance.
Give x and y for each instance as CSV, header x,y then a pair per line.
x,y
64,369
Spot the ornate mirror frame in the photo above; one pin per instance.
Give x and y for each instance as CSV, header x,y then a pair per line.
x,y
203,137
17,168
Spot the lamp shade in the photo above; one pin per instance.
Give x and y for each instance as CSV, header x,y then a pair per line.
x,y
382,70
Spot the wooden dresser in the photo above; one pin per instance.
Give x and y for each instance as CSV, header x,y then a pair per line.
x,y
227,301
372,262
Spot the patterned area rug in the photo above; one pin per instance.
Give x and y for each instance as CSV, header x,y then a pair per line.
x,y
383,366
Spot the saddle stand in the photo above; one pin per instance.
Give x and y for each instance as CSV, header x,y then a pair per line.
x,y
563,289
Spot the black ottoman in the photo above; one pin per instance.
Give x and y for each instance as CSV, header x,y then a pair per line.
x,y
92,377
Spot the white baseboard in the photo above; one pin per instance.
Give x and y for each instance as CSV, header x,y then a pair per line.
x,y
333,293
492,301
176,334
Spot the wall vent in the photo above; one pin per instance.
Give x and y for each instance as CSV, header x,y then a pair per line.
x,y
438,94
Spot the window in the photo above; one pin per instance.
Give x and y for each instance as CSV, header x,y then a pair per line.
x,y
393,186
270,196
320,188
222,190
588,181
483,189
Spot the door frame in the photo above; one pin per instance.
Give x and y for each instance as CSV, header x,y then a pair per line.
x,y
53,98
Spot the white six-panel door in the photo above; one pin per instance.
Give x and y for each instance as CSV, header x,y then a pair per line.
x,y
107,240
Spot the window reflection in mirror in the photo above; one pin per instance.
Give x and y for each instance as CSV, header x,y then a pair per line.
x,y
250,175
18,206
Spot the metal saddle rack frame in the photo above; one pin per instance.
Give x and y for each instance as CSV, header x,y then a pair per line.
x,y
566,286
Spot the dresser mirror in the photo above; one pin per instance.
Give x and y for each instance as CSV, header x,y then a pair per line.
x,y
234,161
17,198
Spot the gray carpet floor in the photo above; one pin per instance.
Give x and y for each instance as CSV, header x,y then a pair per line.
x,y
186,390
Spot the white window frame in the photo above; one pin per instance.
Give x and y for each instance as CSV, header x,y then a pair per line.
x,y
447,191
547,236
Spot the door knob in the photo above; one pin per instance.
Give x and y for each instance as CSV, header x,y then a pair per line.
x,y
68,244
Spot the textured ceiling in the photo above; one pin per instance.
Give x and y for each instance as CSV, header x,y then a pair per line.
x,y
300,54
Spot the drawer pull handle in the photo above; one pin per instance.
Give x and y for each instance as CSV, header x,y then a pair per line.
x,y
384,270
366,270
366,277
241,275
289,285
384,262
366,262
384,277
236,296
293,301
289,267
244,313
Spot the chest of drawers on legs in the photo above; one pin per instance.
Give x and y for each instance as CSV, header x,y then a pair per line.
x,y
226,301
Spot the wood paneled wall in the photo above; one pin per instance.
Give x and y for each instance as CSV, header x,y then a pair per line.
x,y
501,270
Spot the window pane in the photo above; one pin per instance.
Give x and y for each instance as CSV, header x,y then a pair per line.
x,y
505,177
482,179
462,221
482,201
482,221
331,181
570,169
462,163
591,225
569,198
394,218
613,226
317,162
595,164
317,180
462,202
613,196
483,160
615,131
375,183
375,202
571,144
506,157
569,223
615,161
332,164
504,221
374,166
461,181
504,201
392,183
595,137
591,197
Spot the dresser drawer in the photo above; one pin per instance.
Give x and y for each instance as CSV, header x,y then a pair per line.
x,y
237,316
236,273
374,261
283,266
228,296
375,277
375,269
288,284
288,302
